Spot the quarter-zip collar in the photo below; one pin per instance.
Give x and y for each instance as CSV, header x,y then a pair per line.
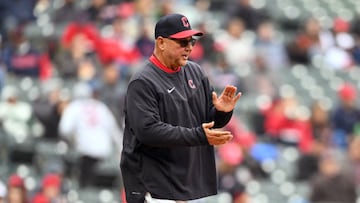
x,y
160,65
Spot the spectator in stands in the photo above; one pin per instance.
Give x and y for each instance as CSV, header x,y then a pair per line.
x,y
47,108
80,26
111,91
95,11
88,71
3,192
51,190
68,12
145,43
94,129
270,51
311,39
119,45
270,56
331,184
237,46
285,122
339,55
77,57
79,54
205,49
16,115
244,10
345,116
320,123
17,192
22,58
222,74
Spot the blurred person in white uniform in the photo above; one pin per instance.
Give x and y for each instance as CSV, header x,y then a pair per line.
x,y
90,124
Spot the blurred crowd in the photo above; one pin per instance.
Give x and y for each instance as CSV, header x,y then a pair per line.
x,y
64,67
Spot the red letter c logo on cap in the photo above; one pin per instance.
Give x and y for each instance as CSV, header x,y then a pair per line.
x,y
185,22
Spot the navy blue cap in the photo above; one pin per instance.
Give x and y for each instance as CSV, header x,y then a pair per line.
x,y
175,26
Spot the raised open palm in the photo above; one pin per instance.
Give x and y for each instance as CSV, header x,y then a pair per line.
x,y
227,100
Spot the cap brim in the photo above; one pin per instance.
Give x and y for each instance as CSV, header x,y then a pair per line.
x,y
186,33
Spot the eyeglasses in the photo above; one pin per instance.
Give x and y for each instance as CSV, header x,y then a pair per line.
x,y
184,42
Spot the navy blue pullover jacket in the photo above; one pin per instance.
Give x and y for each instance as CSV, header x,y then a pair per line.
x,y
166,152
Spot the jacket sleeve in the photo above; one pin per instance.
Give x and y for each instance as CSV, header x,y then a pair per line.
x,y
144,121
220,118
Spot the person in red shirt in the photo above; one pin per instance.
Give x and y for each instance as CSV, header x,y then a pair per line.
x,y
285,122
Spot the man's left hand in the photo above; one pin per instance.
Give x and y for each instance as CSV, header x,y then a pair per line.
x,y
227,100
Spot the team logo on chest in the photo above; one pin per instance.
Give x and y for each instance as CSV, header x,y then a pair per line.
x,y
191,84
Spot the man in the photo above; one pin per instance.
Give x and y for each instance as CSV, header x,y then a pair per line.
x,y
171,116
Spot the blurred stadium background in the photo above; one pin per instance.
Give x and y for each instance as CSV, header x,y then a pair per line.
x,y
296,62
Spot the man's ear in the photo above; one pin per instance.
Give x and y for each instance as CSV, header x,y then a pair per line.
x,y
160,43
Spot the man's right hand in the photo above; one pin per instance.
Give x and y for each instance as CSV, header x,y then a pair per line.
x,y
216,136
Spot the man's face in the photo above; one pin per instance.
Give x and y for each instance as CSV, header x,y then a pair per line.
x,y
178,50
